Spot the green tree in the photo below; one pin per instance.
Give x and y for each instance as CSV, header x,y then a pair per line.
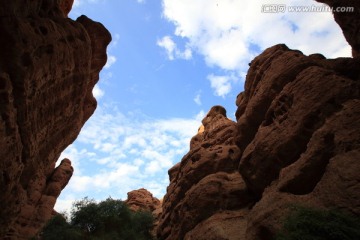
x,y
111,219
59,229
305,223
108,220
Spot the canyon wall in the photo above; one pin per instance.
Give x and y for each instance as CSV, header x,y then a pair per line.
x,y
296,140
49,65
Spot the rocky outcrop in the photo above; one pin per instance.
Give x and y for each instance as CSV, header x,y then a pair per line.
x,y
299,131
142,199
205,183
288,97
347,15
296,141
65,6
48,67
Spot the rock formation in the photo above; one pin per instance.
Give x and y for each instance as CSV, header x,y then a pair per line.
x,y
142,199
299,131
48,67
205,185
296,141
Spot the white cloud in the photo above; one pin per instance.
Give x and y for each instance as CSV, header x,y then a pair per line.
x,y
130,151
115,40
197,99
221,84
110,61
172,50
230,33
97,92
141,1
78,3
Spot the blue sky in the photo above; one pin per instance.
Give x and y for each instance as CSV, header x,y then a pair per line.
x,y
168,63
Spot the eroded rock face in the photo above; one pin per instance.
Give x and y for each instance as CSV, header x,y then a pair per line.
x,y
205,183
299,132
142,199
288,97
297,141
48,67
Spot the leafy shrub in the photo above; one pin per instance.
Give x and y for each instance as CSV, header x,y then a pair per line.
x,y
58,229
110,219
314,224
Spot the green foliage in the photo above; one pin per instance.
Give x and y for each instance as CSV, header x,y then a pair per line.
x,y
109,219
58,229
315,224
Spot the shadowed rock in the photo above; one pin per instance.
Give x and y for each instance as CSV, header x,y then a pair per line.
x,y
296,141
205,182
48,67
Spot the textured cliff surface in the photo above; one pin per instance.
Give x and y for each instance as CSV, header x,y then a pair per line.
x,y
142,199
296,141
299,131
48,67
206,182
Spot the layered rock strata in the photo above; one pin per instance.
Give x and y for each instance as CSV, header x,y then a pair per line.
x,y
49,65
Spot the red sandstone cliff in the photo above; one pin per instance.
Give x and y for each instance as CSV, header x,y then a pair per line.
x,y
296,141
49,65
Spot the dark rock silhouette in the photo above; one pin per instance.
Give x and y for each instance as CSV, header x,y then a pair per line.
x,y
49,65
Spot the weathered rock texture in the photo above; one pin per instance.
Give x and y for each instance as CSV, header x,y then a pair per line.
x,y
142,199
48,67
296,141
299,131
206,183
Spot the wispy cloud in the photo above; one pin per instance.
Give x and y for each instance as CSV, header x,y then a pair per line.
x,y
122,152
111,59
229,33
197,98
221,84
172,50
78,3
